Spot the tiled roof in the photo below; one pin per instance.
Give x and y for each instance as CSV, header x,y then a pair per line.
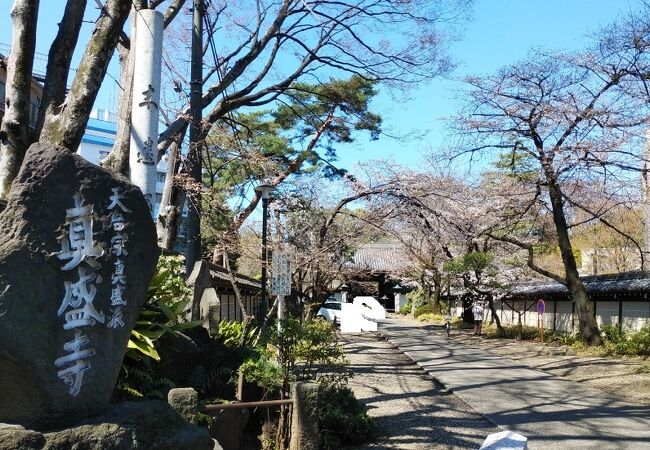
x,y
385,257
596,284
222,276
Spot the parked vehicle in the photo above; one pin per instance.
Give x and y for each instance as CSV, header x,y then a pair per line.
x,y
330,311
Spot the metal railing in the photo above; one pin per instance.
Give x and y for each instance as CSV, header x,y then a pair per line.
x,y
245,405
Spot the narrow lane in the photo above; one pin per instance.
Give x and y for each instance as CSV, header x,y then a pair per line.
x,y
552,412
412,411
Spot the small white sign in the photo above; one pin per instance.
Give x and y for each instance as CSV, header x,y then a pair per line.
x,y
281,274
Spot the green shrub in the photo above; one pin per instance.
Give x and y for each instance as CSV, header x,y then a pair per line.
x,y
416,297
641,341
643,369
230,334
423,309
564,338
309,350
630,343
141,382
342,419
164,310
512,332
430,317
303,351
264,371
611,333
163,313
406,309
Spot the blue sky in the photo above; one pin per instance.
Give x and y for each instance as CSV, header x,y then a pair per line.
x,y
500,32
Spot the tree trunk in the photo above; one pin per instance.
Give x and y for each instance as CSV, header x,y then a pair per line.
x,y
118,160
68,126
265,321
586,315
59,60
170,213
14,133
437,286
494,315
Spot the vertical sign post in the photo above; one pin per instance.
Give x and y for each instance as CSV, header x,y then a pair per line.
x,y
143,156
281,281
541,307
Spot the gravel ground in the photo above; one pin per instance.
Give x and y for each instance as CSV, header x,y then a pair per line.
x,y
412,411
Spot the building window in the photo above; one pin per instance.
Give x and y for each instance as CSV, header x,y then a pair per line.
x,y
158,198
161,177
33,113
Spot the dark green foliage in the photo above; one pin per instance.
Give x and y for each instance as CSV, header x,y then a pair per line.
x,y
406,309
230,334
312,105
342,419
164,310
162,314
264,372
630,343
298,137
166,351
142,382
417,297
517,163
512,332
615,341
563,338
309,351
423,309
612,334
302,351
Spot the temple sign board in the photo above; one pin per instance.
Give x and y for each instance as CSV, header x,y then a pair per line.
x,y
281,274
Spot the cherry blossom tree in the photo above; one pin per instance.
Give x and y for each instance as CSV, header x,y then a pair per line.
x,y
576,121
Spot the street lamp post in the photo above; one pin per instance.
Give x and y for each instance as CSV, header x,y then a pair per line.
x,y
264,189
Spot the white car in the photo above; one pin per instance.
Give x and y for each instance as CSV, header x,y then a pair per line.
x,y
330,311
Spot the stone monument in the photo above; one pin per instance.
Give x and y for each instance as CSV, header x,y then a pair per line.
x,y
77,252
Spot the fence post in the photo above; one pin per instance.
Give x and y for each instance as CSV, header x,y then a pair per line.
x,y
304,418
185,402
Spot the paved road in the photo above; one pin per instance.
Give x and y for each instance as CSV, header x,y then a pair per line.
x,y
410,409
552,412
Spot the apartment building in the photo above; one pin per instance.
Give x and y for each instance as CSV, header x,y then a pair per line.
x,y
97,141
36,93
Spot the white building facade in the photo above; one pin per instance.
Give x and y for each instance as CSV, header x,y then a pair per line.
x,y
97,143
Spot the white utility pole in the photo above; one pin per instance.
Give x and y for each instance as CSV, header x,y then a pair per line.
x,y
281,316
143,157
